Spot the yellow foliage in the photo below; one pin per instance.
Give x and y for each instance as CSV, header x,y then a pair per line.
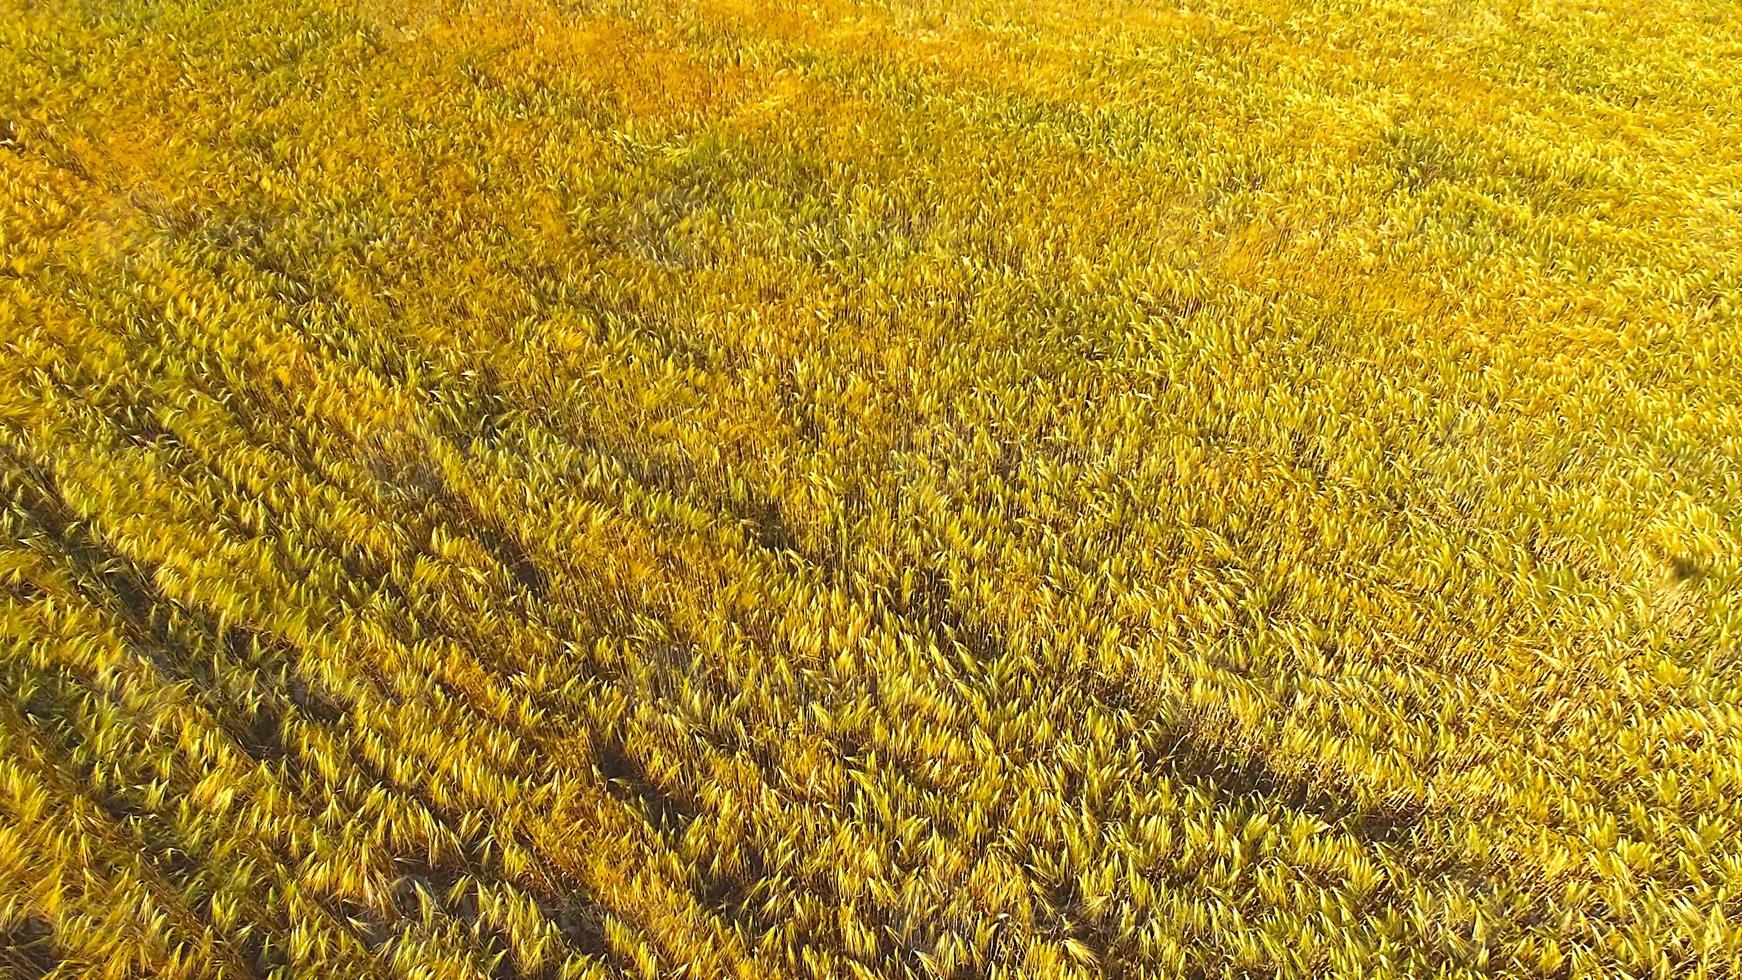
x,y
837,489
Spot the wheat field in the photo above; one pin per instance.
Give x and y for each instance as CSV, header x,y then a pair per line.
x,y
921,488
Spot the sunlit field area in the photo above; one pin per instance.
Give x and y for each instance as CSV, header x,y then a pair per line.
x,y
923,488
